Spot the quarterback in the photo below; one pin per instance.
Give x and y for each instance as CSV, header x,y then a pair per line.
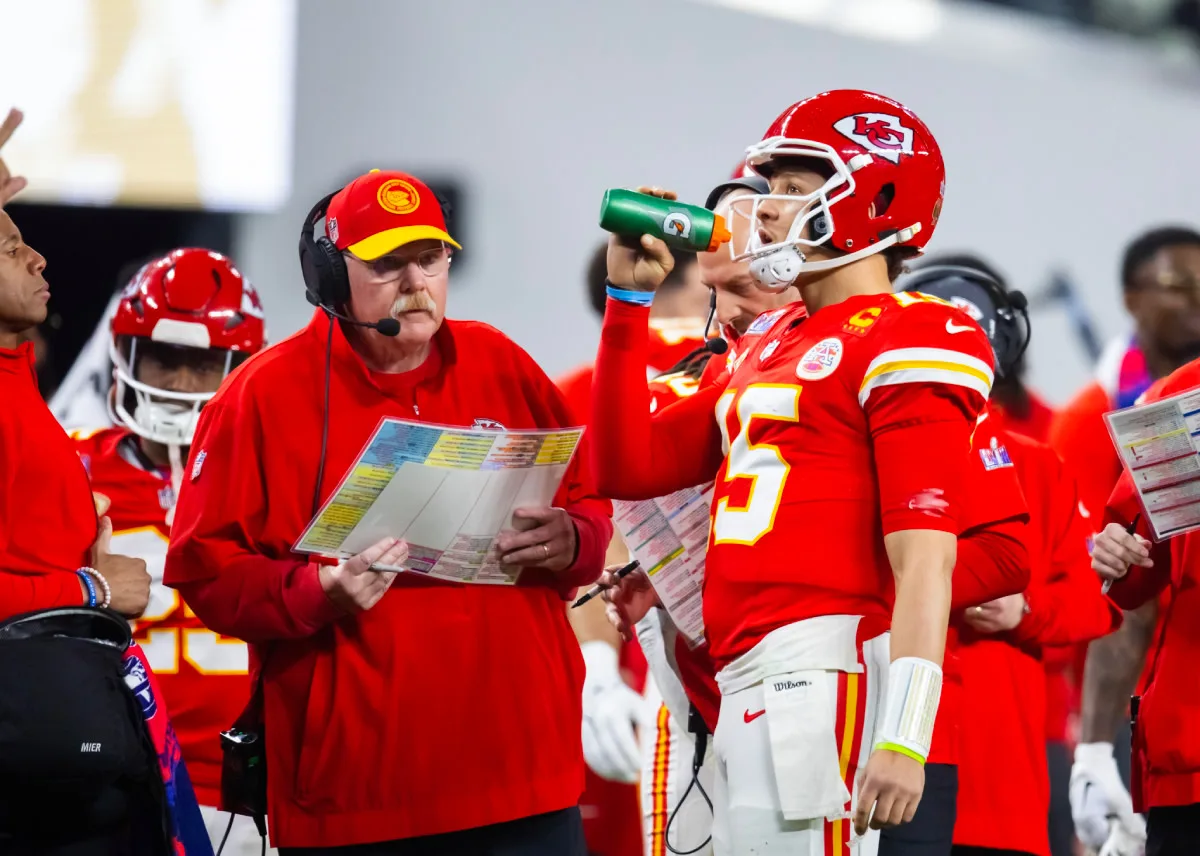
x,y
184,321
815,554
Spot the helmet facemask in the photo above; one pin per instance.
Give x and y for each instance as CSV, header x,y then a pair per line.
x,y
162,416
776,265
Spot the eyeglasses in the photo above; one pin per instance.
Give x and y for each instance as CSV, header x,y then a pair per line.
x,y
432,262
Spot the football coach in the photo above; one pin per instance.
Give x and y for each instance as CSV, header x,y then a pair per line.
x,y
403,715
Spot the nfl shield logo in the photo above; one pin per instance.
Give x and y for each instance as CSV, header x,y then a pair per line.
x,y
767,351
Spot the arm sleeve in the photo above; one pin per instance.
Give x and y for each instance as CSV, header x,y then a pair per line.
x,y
635,456
921,437
922,395
1066,606
20,592
213,561
992,562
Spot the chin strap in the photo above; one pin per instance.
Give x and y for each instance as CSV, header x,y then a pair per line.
x,y
176,458
763,267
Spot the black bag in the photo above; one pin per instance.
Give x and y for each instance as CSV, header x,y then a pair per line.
x,y
75,755
244,761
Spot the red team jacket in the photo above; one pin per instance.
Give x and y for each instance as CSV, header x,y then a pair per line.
x,y
1003,787
47,515
404,720
1166,751
852,383
203,676
992,562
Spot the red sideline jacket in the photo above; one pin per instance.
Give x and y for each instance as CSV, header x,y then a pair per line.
x,y
47,515
404,720
1003,784
1166,750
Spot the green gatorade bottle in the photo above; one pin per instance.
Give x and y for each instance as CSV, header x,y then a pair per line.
x,y
684,227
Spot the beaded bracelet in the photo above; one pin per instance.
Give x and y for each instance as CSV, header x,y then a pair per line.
x,y
91,588
99,577
625,295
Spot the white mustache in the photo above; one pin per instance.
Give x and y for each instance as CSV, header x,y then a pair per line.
x,y
417,302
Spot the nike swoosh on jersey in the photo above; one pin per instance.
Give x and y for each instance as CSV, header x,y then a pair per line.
x,y
953,328
750,717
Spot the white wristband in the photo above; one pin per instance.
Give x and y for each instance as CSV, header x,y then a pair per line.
x,y
914,687
99,577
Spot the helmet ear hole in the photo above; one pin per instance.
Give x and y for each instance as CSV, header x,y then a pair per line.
x,y
883,200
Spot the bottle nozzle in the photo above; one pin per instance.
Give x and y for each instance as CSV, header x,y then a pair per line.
x,y
720,233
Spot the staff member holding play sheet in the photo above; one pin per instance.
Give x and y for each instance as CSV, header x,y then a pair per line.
x,y
392,710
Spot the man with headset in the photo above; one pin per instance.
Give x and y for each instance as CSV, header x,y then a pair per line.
x,y
389,699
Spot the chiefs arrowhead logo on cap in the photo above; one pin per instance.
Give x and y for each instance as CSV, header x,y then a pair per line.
x,y
398,196
880,133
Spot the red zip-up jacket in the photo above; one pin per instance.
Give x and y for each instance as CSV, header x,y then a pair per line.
x,y
444,707
47,515
1166,745
1003,783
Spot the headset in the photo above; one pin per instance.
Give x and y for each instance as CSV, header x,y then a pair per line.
x,y
327,286
326,283
1008,318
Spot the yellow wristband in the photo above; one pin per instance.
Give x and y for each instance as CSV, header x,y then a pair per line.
x,y
903,750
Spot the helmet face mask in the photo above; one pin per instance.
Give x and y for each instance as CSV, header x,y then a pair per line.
x,y
884,188
811,223
192,311
161,415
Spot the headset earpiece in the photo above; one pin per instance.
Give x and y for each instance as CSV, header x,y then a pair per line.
x,y
321,263
1011,309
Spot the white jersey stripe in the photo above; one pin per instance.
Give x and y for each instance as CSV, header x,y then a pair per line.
x,y
900,375
926,355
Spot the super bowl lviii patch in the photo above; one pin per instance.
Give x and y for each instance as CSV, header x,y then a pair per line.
x,y
995,457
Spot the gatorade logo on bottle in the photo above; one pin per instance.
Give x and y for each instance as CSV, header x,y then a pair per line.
x,y
677,224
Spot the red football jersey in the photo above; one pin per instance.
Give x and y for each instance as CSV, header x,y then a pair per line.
x,y
203,676
837,431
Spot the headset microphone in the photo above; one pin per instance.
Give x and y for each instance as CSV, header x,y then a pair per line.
x,y
384,326
713,344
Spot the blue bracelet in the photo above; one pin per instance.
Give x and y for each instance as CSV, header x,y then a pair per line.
x,y
91,587
637,298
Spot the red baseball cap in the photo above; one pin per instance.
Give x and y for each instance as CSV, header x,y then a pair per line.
x,y
380,211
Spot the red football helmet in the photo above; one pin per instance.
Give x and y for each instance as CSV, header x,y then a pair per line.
x,y
190,306
885,188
